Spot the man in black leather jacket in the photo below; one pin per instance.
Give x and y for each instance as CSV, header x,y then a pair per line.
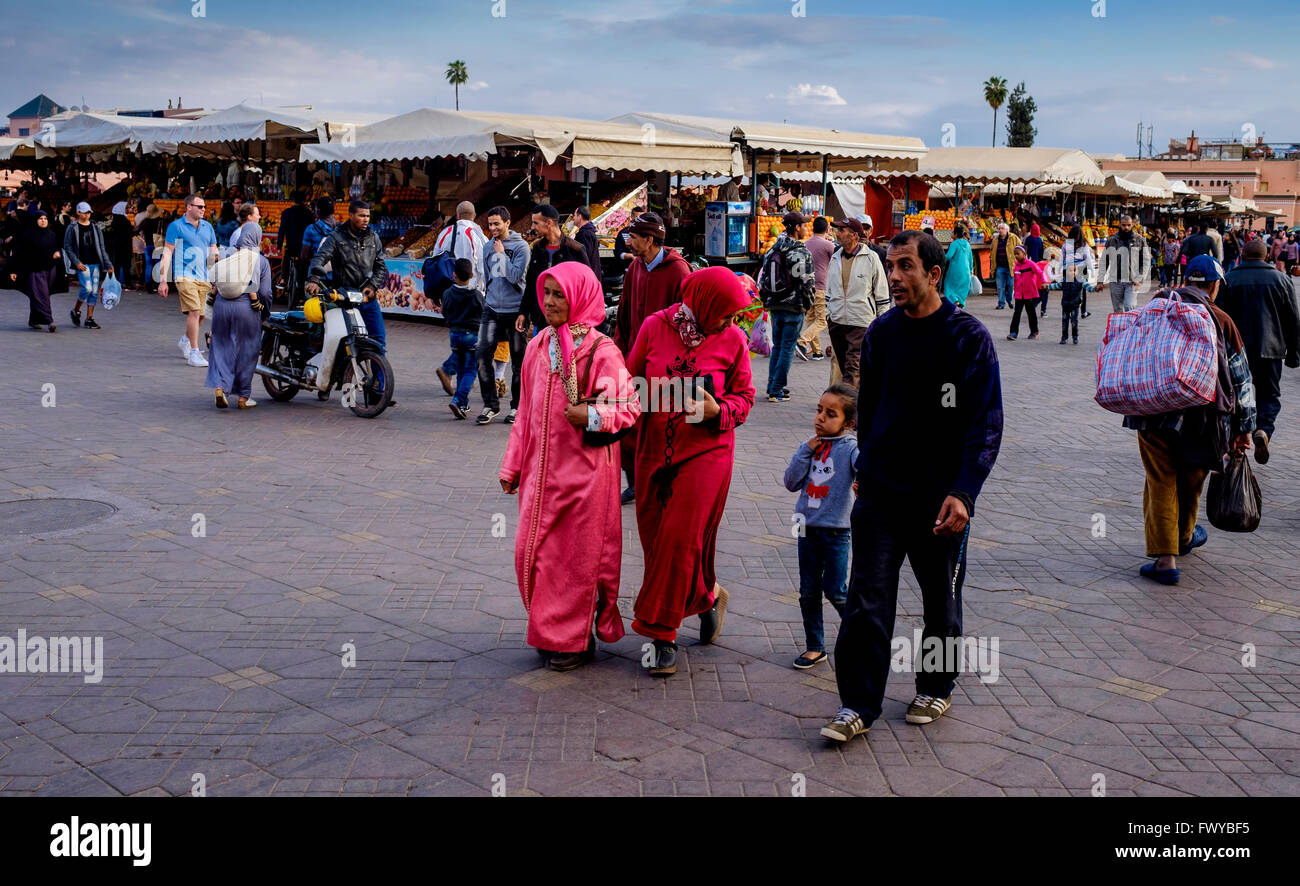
x,y
356,258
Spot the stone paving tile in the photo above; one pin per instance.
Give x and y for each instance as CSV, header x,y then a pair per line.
x,y
226,652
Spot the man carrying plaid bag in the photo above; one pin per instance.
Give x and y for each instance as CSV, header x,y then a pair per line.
x,y
1180,448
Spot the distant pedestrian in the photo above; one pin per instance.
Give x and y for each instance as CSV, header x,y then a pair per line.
x,y
785,284
1125,265
1003,249
1029,278
189,253
958,266
1172,248
927,365
505,272
86,254
820,245
823,472
237,321
1078,269
585,233
551,247
227,222
33,268
1262,304
461,310
118,239
857,293
1179,449
1034,249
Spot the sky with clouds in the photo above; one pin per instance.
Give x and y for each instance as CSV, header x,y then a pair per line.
x,y
866,66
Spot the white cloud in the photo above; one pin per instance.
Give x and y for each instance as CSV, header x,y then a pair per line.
x,y
821,94
477,84
1258,62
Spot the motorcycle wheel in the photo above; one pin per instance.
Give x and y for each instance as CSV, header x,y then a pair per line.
x,y
278,391
370,401
322,395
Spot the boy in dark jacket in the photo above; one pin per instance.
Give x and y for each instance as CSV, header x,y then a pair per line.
x,y
462,310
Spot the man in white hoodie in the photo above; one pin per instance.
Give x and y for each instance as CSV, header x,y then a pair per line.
x,y
857,291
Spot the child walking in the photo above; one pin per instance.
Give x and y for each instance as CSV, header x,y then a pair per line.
x,y
1029,278
823,473
462,311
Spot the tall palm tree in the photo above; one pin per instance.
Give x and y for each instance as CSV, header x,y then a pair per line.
x,y
457,74
995,93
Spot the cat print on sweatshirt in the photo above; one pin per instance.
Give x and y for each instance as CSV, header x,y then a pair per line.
x,y
819,476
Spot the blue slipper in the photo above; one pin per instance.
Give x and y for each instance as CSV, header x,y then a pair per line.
x,y
1199,537
1164,576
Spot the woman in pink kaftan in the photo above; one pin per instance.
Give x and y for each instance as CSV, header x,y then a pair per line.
x,y
570,537
683,465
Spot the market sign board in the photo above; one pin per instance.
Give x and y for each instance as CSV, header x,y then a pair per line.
x,y
403,291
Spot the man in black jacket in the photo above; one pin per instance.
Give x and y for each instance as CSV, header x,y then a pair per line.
x,y
1197,243
288,242
550,248
1262,302
586,235
356,257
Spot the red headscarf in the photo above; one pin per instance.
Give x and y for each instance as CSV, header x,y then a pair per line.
x,y
586,303
712,294
1033,230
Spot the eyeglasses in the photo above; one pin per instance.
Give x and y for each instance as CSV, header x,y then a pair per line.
x,y
198,206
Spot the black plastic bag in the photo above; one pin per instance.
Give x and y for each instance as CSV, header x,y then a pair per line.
x,y
1234,503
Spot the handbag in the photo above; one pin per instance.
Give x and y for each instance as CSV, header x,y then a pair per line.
x,y
1161,358
598,438
1233,502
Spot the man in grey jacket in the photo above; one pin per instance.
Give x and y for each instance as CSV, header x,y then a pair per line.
x,y
505,268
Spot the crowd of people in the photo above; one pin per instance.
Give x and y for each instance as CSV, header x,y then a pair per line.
x,y
905,353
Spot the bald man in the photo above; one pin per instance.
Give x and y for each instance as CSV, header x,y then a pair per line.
x,y
466,240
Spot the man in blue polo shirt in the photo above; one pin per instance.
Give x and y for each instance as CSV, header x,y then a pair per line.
x,y
193,243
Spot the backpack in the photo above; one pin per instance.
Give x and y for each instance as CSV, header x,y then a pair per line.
x,y
774,274
440,270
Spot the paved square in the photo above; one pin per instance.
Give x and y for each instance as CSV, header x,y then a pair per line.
x,y
296,601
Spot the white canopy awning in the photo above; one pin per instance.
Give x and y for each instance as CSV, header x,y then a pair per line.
x,y
16,148
786,138
431,132
988,165
1146,184
90,131
280,129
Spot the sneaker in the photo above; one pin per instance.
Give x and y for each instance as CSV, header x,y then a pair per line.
x,y
91,324
711,621
486,416
511,416
1032,336
457,410
816,356
76,317
196,358
628,496
846,724
777,398
1076,341
183,344
248,403
446,381
926,709
1011,337
801,352
1086,314
1002,307
1064,339
1260,439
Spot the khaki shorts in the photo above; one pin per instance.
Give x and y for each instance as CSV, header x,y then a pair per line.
x,y
193,293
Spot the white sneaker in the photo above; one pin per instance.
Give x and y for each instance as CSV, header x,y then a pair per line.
x,y
196,358
184,345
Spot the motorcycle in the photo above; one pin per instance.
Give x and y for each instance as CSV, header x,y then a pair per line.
x,y
323,347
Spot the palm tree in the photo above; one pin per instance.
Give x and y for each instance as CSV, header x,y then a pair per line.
x,y
995,93
457,74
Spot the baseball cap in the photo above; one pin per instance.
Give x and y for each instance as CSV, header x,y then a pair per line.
x,y
793,218
83,206
1204,269
852,224
866,220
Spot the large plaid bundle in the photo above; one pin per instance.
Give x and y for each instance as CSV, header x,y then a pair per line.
x,y
1160,358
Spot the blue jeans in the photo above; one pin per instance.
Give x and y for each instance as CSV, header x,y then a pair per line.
x,y
786,326
463,345
1006,286
823,571
374,317
88,280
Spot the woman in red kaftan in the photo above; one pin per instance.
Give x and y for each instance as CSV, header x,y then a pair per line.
x,y
683,466
570,537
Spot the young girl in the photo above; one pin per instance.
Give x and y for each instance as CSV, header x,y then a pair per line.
x,y
823,473
1029,278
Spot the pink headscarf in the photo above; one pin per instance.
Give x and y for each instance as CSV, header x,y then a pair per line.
x,y
1033,230
586,304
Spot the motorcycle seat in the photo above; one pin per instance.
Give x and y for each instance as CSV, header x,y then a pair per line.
x,y
289,317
